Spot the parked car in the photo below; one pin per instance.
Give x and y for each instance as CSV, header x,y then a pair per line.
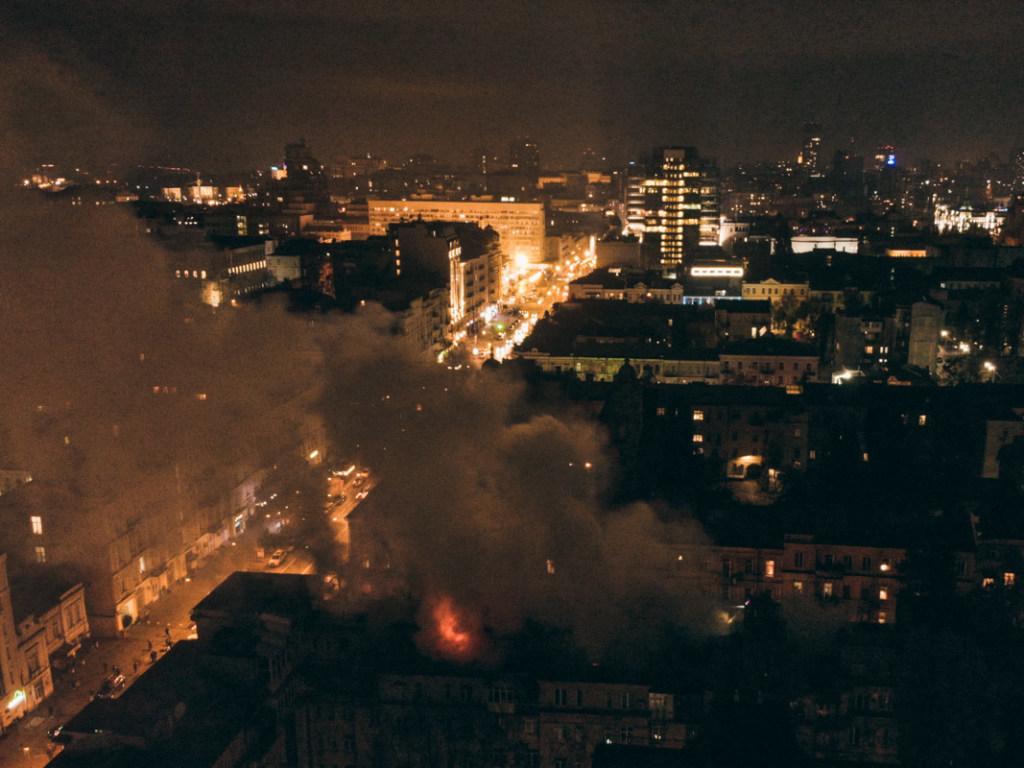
x,y
277,558
111,686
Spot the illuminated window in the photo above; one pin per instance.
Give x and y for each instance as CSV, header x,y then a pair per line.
x,y
40,554
922,420
37,525
698,415
1009,579
988,582
883,593
798,587
769,568
826,589
882,617
865,456
698,438
884,565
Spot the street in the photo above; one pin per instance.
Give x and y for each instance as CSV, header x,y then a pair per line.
x,y
27,744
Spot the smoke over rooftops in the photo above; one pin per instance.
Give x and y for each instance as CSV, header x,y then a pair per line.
x,y
502,514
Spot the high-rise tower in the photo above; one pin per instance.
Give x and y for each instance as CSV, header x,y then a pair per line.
x,y
1018,171
810,154
680,194
524,156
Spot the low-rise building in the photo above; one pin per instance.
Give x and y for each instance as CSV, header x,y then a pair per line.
x,y
42,625
768,361
775,290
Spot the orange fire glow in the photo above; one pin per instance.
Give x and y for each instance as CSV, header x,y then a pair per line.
x,y
454,639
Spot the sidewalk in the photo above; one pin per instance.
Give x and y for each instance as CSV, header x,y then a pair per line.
x,y
26,744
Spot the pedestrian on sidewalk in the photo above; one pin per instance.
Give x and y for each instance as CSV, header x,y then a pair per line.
x,y
135,664
150,644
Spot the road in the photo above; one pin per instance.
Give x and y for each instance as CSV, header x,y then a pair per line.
x,y
339,513
26,743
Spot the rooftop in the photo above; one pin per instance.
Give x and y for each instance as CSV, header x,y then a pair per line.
x,y
244,592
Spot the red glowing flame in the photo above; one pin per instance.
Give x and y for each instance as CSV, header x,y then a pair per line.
x,y
452,635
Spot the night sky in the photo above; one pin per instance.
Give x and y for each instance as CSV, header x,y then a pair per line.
x,y
224,85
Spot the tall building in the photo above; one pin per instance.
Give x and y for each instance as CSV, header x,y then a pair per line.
x,y
848,175
885,157
810,153
524,155
303,171
1018,171
679,204
299,188
467,257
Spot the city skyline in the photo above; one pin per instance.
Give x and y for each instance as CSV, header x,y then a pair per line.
x,y
478,384
225,88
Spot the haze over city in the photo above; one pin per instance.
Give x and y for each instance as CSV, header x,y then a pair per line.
x,y
224,87
476,384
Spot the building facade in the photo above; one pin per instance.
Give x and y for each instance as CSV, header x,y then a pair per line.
x,y
520,225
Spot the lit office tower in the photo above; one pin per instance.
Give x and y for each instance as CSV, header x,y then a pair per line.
x,y
885,157
524,155
636,199
681,204
810,155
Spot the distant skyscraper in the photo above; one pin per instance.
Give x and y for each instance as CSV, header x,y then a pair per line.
x,y
303,170
810,154
1018,171
885,157
483,160
593,160
680,204
848,175
524,155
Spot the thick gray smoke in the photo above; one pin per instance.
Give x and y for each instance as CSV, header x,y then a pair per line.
x,y
115,382
501,514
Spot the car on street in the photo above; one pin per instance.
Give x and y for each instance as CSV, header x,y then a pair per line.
x,y
57,735
277,558
110,687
